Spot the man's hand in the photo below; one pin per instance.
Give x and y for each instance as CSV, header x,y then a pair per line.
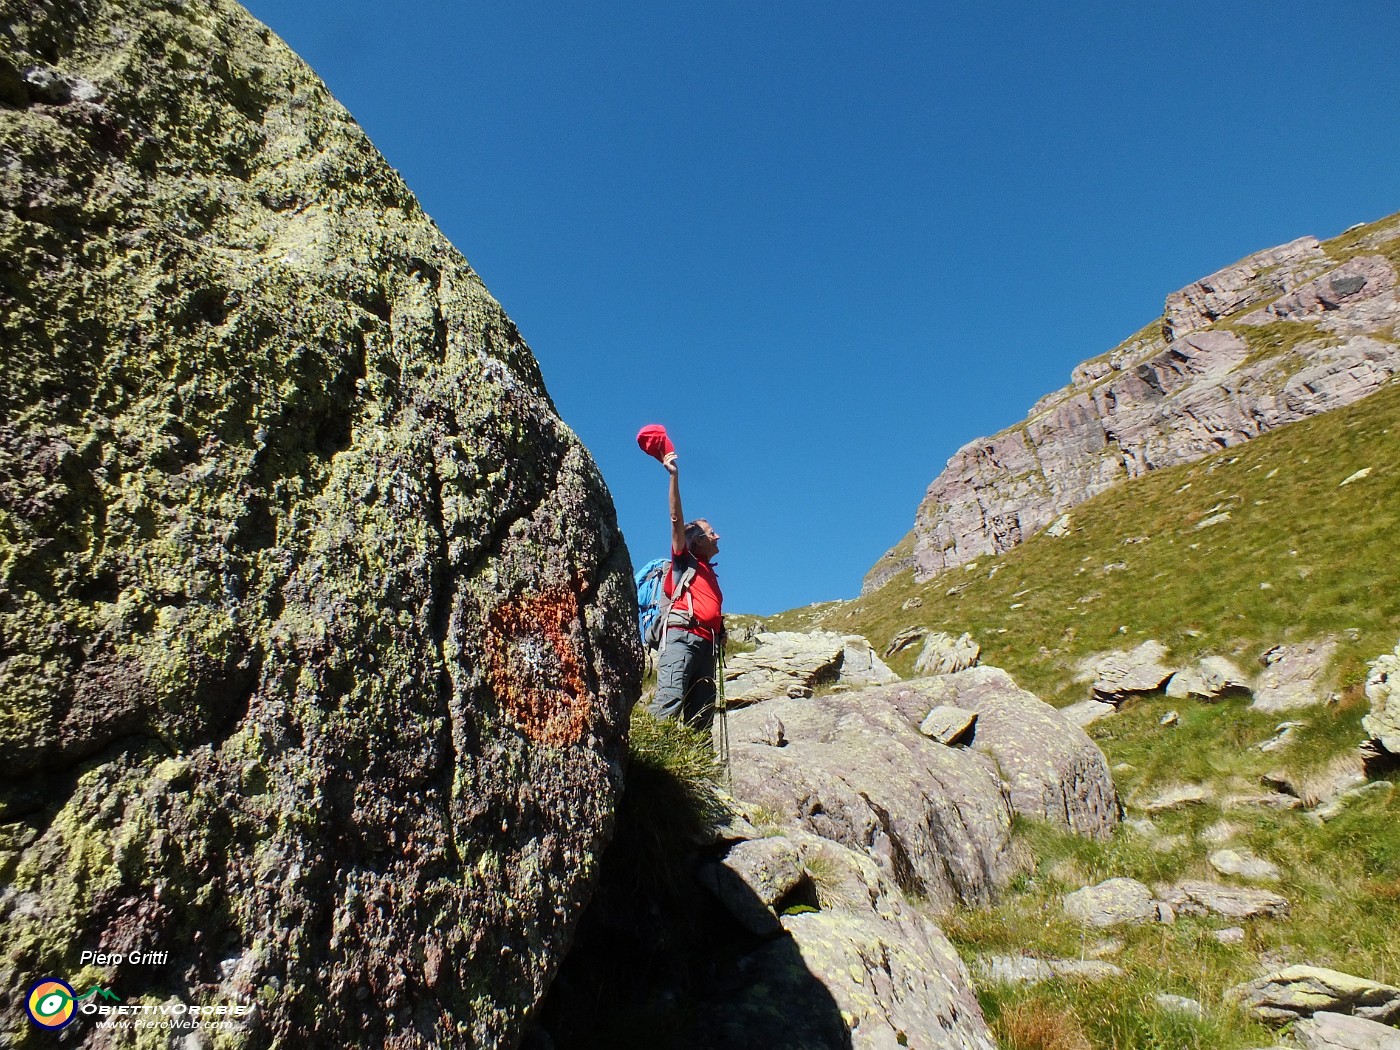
x,y
672,467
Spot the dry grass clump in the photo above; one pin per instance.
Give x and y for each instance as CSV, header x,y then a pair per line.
x,y
1037,1025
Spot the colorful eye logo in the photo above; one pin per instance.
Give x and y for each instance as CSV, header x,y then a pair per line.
x,y
50,1003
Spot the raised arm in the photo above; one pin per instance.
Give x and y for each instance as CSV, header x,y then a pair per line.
x,y
677,516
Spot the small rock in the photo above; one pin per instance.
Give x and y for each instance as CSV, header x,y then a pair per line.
x,y
1229,935
1180,1004
1334,809
1171,718
1021,969
949,725
1244,864
1114,902
1183,795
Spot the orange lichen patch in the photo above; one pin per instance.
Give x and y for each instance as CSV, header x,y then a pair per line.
x,y
535,666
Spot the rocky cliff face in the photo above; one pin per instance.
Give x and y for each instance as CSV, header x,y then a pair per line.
x,y
316,633
1280,336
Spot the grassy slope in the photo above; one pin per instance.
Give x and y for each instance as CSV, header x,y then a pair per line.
x,y
1301,556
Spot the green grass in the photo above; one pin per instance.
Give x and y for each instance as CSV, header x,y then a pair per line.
x,y
1342,880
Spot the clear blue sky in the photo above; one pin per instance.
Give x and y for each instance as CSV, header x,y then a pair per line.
x,y
828,244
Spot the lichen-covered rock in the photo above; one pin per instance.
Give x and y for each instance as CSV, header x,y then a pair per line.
x,y
1383,721
855,768
1329,1031
944,654
1051,768
317,619
1114,676
1113,902
1294,676
1301,991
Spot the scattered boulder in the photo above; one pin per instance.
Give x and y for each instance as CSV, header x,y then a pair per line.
x,y
1179,1004
944,654
1301,991
1244,864
1115,902
1086,712
1022,969
1229,935
891,975
856,770
904,639
1332,809
1294,676
1117,675
1332,1031
860,666
1181,795
1195,897
1212,679
1383,721
949,725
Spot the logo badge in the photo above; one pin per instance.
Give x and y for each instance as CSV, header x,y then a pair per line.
x,y
50,1003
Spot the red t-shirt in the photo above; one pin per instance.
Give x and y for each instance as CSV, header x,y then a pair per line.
x,y
704,596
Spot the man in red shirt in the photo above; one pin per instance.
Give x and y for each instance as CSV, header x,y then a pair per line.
x,y
685,674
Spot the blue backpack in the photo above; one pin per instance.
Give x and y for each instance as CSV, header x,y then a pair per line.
x,y
654,609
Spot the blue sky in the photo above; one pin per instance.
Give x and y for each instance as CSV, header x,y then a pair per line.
x,y
829,244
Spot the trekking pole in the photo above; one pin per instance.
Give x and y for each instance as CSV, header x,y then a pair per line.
x,y
722,710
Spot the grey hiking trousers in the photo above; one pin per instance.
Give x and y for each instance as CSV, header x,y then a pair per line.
x,y
685,679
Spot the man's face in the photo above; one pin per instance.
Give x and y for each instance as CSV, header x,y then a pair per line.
x,y
706,545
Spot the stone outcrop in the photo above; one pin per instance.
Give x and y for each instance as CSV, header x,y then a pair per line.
x,y
1280,336
794,663
318,625
1294,676
944,654
1383,720
854,767
1300,991
1212,679
1329,1031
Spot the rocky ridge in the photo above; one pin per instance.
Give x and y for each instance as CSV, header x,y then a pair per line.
x,y
1280,336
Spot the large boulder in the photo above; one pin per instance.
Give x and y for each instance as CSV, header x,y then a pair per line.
x,y
1383,721
855,768
318,625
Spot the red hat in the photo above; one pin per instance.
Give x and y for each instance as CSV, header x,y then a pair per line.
x,y
652,440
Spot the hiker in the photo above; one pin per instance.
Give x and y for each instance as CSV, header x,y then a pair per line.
x,y
685,673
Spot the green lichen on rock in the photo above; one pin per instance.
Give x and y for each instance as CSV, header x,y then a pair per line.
x,y
272,460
